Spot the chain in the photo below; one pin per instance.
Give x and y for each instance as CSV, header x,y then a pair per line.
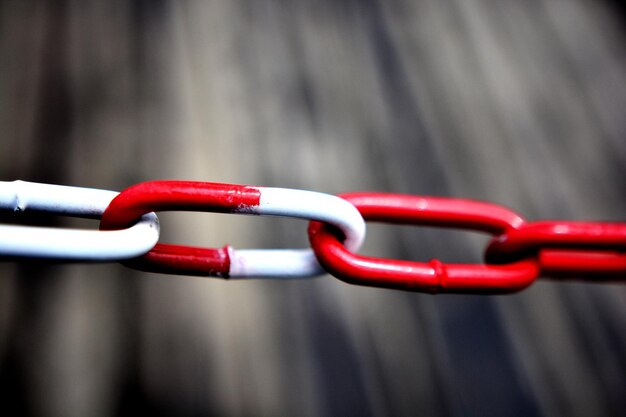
x,y
516,256
79,245
227,262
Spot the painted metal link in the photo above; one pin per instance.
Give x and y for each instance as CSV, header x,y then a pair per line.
x,y
565,247
433,276
228,262
70,244
516,256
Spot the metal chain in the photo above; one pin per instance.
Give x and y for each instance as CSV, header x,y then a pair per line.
x,y
517,255
70,244
227,262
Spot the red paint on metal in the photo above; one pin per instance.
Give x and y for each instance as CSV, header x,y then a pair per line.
x,y
132,203
579,246
184,260
434,211
145,197
434,276
583,264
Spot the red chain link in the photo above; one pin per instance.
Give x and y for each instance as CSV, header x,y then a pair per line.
x,y
143,198
527,249
583,264
433,276
540,238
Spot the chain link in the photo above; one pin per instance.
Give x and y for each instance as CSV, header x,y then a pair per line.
x,y
69,244
228,262
517,255
433,276
541,238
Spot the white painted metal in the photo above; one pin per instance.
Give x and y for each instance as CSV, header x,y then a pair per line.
x,y
273,263
312,205
289,263
70,244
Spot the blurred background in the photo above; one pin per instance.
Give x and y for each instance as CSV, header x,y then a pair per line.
x,y
517,103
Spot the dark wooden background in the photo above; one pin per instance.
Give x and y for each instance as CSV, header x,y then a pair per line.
x,y
519,103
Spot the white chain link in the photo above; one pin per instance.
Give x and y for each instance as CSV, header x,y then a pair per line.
x,y
70,244
308,205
